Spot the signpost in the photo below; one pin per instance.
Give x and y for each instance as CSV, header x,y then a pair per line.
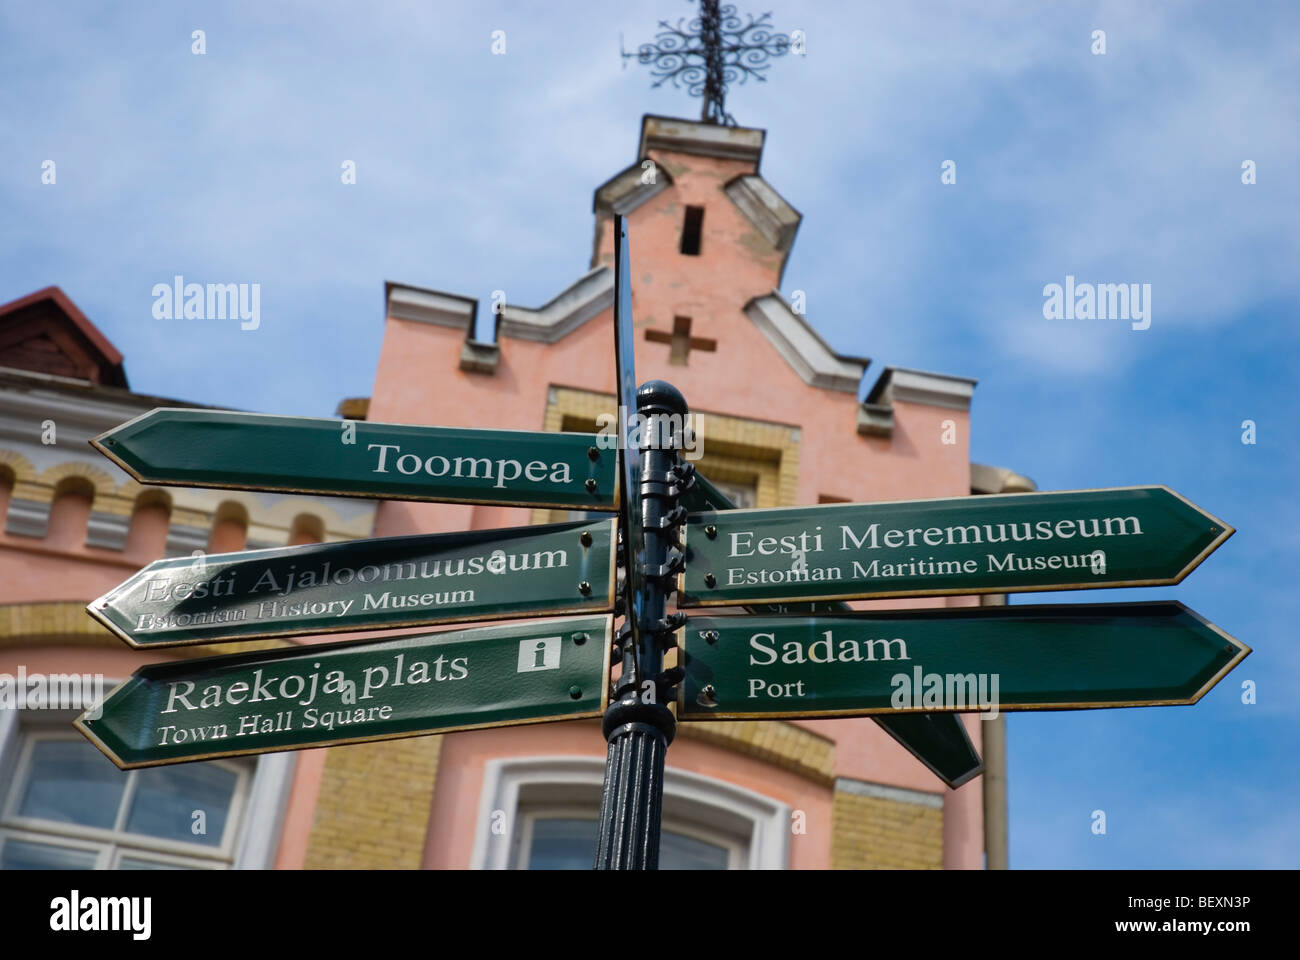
x,y
1008,543
252,451
366,585
1057,657
798,651
354,692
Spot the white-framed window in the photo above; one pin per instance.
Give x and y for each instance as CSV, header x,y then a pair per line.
x,y
64,805
564,838
541,813
68,801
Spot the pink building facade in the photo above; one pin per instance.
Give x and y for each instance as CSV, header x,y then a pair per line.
x,y
786,420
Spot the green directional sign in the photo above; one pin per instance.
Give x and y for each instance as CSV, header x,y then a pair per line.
x,y
939,741
989,659
321,695
1009,543
251,451
366,585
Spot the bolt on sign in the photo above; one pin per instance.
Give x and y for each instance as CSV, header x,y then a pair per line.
x,y
253,451
1049,657
1008,543
354,692
366,585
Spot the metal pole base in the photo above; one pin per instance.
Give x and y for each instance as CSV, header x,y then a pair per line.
x,y
633,797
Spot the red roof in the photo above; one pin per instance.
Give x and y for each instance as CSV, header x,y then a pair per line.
x,y
47,333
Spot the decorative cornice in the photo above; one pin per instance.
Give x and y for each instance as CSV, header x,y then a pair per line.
x,y
985,479
674,135
626,190
587,297
74,405
920,386
430,306
875,420
27,518
184,539
803,348
592,294
107,530
767,210
478,357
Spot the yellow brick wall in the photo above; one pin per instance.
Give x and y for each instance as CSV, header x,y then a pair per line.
x,y
878,832
373,808
772,741
735,450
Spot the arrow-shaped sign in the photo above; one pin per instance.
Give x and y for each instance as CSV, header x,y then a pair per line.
x,y
938,740
1005,543
366,585
977,659
252,451
327,694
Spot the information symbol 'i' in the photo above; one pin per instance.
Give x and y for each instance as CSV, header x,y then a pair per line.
x,y
538,653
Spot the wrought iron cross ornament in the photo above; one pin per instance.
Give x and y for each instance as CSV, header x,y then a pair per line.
x,y
710,51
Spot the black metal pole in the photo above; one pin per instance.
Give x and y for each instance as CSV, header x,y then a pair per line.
x,y
638,724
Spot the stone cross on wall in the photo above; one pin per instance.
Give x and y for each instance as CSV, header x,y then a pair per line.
x,y
680,341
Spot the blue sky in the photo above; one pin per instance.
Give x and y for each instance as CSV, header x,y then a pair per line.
x,y
475,173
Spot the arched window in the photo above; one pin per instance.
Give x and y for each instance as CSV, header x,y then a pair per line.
x,y
306,528
549,808
229,528
70,513
146,538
